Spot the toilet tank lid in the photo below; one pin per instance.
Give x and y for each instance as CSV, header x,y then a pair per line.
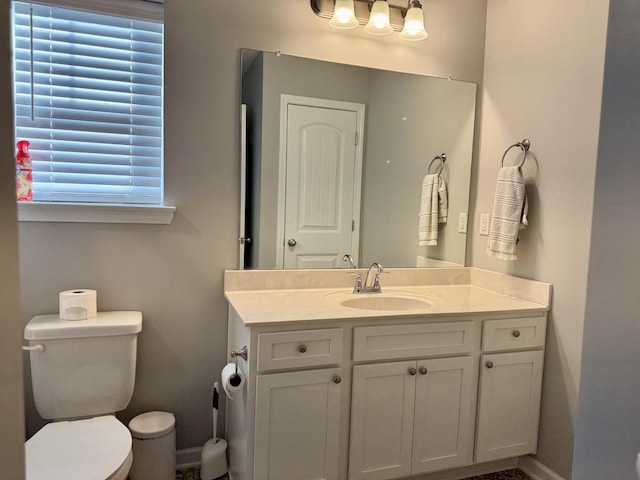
x,y
105,324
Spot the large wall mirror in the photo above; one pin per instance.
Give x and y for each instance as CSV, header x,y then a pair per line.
x,y
334,161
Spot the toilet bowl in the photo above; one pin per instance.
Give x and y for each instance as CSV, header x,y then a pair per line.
x,y
92,449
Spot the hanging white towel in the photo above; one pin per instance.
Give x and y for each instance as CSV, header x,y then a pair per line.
x,y
433,209
510,210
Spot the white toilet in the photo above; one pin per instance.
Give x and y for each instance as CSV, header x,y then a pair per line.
x,y
82,372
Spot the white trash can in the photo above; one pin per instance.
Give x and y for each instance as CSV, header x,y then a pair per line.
x,y
154,446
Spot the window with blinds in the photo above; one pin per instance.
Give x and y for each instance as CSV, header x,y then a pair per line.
x,y
89,99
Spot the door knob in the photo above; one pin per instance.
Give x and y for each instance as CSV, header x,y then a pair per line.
x,y
412,371
423,370
337,379
292,242
302,348
489,364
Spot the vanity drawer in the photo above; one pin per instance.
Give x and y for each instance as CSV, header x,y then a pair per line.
x,y
414,340
304,348
513,334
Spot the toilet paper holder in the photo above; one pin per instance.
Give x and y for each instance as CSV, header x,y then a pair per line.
x,y
242,353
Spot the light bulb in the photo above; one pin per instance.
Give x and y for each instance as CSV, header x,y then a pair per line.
x,y
343,15
414,23
379,23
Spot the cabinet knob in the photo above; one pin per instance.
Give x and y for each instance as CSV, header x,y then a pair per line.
x,y
412,371
337,379
489,364
292,242
302,348
516,333
423,370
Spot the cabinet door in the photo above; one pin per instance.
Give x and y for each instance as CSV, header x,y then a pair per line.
x,y
509,406
444,420
382,402
297,425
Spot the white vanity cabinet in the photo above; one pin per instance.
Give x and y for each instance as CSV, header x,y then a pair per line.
x,y
510,387
414,416
298,413
451,384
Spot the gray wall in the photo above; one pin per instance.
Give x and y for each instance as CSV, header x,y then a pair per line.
x,y
174,273
608,423
543,81
412,119
11,404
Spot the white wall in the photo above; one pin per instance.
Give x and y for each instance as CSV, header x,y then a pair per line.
x,y
11,407
174,273
608,423
544,64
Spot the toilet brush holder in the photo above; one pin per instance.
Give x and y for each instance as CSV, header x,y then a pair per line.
x,y
213,460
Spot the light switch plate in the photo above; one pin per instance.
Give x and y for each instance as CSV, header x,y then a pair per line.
x,y
484,224
462,222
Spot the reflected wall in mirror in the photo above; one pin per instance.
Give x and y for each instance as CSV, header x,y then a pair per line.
x,y
335,161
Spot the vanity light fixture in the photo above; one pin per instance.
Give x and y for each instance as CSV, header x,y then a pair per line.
x,y
379,17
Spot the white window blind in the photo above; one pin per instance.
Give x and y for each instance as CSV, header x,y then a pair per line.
x,y
89,99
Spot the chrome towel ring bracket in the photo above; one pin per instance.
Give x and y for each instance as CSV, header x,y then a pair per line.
x,y
523,145
442,158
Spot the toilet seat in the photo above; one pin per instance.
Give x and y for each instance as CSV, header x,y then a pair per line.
x,y
91,449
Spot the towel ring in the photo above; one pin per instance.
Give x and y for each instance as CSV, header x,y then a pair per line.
x,y
524,146
443,158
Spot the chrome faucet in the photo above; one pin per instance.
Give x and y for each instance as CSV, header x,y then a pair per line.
x,y
372,281
349,258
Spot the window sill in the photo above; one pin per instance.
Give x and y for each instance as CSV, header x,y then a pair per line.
x,y
94,213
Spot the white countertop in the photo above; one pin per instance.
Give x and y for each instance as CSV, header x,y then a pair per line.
x,y
261,307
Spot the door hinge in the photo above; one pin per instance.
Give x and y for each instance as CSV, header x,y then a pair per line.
x,y
357,137
353,225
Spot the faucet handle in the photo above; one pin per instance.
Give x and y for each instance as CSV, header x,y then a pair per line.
x,y
357,288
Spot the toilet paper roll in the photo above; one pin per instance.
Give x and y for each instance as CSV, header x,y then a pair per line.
x,y
232,381
79,304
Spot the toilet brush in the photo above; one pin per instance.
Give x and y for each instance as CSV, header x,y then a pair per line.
x,y
213,460
214,413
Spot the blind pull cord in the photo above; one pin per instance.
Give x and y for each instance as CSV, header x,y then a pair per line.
x,y
31,57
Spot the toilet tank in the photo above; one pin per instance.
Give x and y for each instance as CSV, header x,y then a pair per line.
x,y
87,367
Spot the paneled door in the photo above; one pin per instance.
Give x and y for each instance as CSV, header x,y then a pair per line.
x,y
444,414
509,406
382,404
298,425
322,188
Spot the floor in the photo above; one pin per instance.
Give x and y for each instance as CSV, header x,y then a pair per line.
x,y
194,474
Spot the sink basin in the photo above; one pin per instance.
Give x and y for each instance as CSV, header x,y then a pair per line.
x,y
384,301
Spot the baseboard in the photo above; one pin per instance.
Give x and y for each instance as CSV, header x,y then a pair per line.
x,y
470,470
188,458
537,470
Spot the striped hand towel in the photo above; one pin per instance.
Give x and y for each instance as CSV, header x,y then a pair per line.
x,y
510,210
433,209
